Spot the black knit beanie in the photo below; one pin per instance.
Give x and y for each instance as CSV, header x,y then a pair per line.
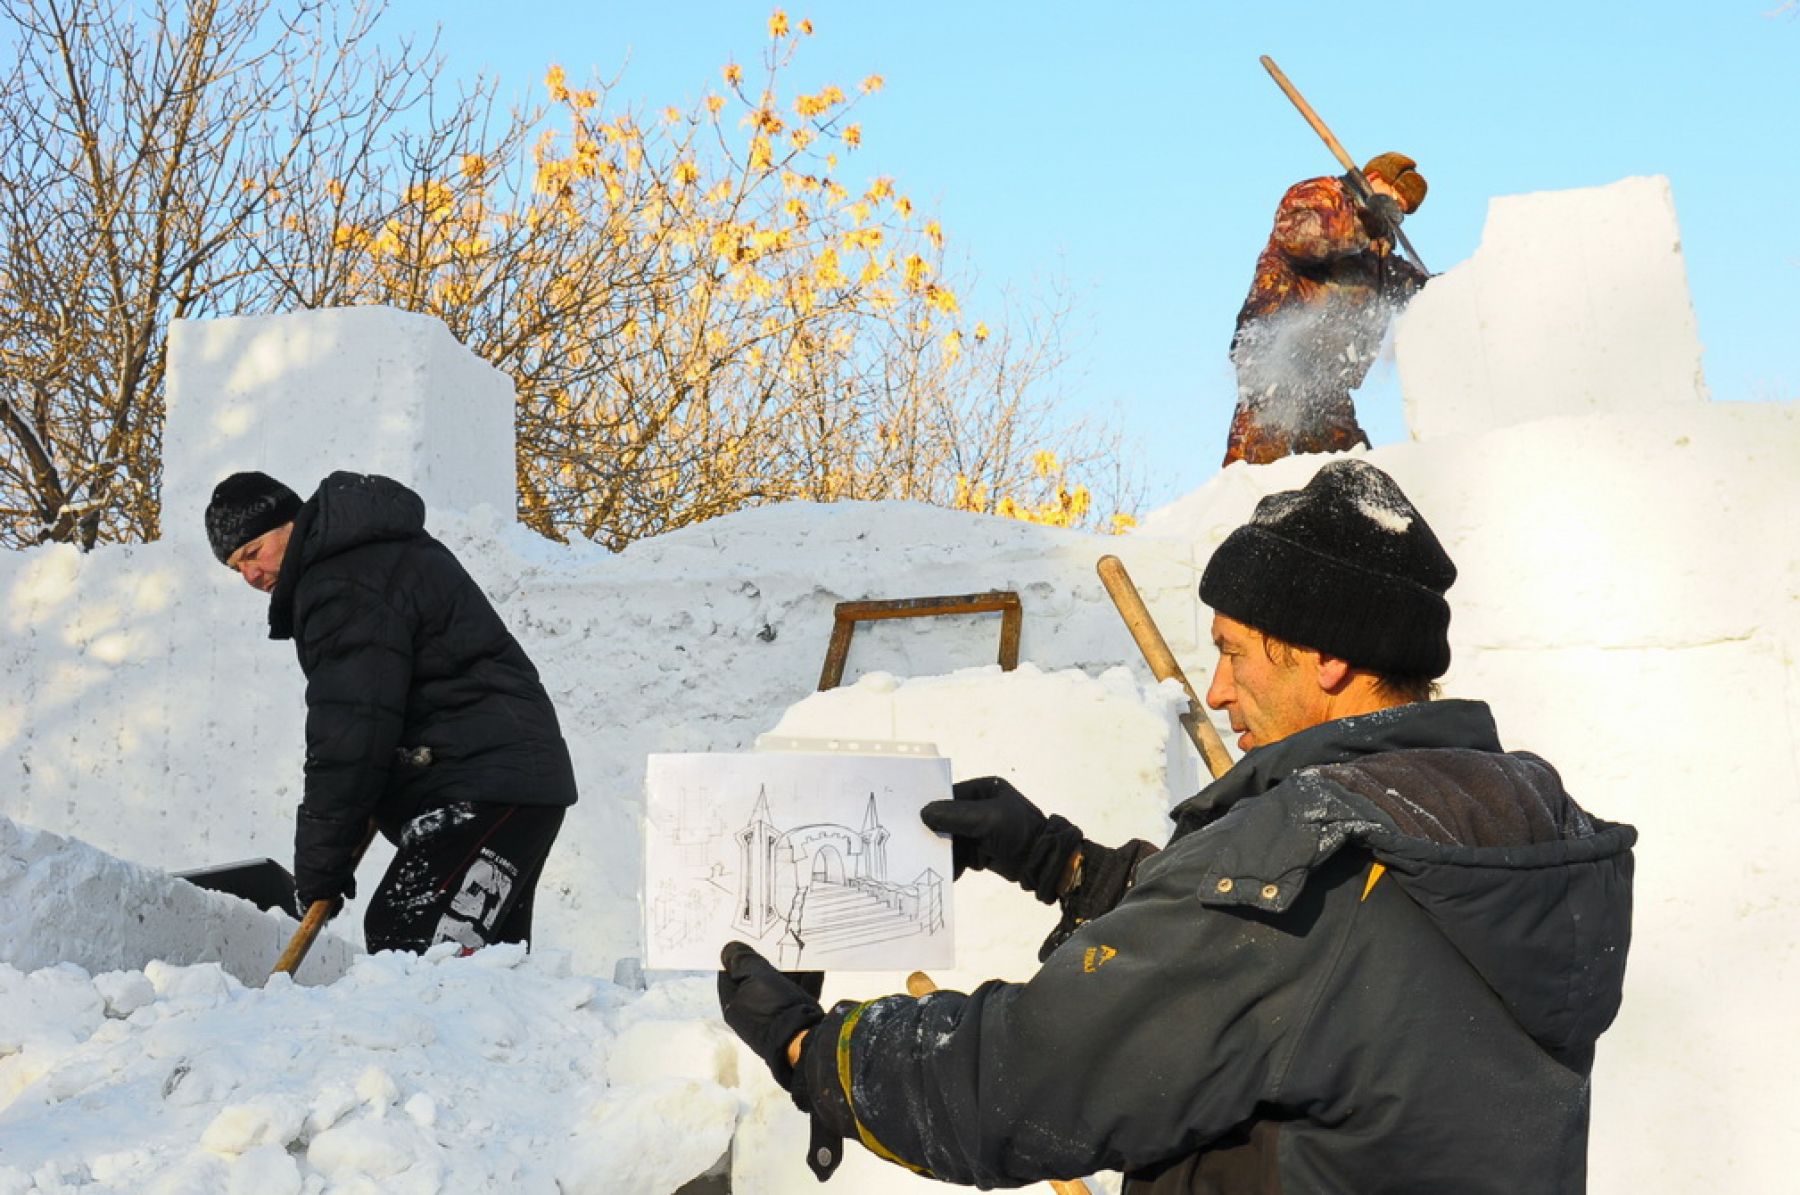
x,y
244,506
1346,566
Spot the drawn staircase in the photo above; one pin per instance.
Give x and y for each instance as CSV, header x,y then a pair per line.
x,y
838,916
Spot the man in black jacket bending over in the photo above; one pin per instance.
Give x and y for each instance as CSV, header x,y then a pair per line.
x,y
1374,956
423,713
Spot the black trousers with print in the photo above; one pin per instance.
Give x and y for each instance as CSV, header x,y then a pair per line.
x,y
465,873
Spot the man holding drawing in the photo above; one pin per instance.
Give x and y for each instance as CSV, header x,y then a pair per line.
x,y
1375,955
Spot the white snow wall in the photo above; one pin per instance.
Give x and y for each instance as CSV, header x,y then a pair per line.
x,y
148,714
1620,602
1579,304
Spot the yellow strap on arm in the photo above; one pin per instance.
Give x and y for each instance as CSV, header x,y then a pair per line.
x,y
843,1069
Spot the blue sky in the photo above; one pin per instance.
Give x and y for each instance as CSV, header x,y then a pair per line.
x,y
1132,154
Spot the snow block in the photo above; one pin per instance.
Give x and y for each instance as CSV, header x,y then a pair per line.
x,y
62,901
1576,303
369,389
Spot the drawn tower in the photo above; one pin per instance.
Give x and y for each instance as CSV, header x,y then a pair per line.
x,y
874,844
757,842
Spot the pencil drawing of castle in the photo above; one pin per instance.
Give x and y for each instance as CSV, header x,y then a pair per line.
x,y
824,887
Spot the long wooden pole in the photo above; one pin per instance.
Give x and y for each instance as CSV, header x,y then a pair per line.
x,y
1334,145
1162,661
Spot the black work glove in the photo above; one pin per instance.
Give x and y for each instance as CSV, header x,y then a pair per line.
x,y
325,857
995,828
768,1009
1384,213
309,887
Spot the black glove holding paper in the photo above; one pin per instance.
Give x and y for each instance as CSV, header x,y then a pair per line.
x,y
768,1009
995,828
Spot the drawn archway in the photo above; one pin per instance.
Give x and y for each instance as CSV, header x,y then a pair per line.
x,y
828,865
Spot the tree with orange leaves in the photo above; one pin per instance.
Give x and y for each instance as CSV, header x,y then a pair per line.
x,y
699,309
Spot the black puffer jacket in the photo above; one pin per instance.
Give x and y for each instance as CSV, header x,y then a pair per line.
x,y
401,649
1375,958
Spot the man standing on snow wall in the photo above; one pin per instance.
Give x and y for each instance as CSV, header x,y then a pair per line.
x,y
1375,955
423,713
1325,287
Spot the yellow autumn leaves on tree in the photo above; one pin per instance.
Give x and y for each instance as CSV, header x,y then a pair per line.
x,y
1057,504
702,307
773,331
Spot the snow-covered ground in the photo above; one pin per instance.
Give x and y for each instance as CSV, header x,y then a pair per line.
x,y
500,1072
1625,601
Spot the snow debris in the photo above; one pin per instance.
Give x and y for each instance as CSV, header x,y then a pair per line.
x,y
492,1075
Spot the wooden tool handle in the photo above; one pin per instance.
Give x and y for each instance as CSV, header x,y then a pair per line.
x,y
920,984
1312,118
1333,144
317,914
1162,661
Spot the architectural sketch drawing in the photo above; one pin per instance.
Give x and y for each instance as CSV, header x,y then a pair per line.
x,y
819,860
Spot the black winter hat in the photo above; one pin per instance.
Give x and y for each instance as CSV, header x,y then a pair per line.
x,y
244,506
1345,565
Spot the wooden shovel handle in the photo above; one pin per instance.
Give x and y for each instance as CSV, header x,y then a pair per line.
x,y
317,914
1162,661
1334,145
1312,118
921,984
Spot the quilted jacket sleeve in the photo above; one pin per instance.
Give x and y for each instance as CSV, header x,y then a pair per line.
x,y
356,650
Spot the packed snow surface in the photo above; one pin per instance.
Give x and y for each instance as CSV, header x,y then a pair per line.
x,y
496,1072
62,901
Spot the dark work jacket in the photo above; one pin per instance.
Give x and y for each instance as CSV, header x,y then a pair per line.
x,y
401,649
1374,957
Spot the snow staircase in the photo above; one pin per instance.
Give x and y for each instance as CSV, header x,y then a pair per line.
x,y
842,915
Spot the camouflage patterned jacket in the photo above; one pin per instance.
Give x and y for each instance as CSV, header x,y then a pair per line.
x,y
1324,258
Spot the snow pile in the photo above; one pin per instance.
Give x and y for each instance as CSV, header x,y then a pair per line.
x,y
368,389
62,901
498,1072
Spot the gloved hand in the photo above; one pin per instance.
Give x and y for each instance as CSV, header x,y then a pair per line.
x,y
326,851
995,828
1384,214
767,1008
309,887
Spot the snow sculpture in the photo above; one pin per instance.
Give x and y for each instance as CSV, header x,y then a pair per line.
x,y
1575,304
